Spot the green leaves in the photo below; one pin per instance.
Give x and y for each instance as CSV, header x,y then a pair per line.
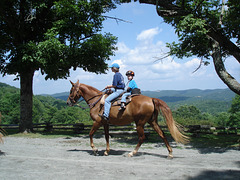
x,y
234,112
192,33
54,36
190,24
231,20
203,17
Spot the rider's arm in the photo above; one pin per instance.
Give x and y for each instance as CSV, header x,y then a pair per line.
x,y
110,86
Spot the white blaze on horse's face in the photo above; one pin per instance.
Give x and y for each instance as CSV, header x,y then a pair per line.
x,y
74,94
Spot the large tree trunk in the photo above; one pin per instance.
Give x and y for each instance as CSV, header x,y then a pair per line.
x,y
26,102
230,81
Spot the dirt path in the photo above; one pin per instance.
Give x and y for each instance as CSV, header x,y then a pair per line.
x,y
72,158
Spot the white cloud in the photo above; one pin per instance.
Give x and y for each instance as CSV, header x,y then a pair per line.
x,y
142,60
143,54
194,63
122,48
119,62
148,34
233,67
167,73
166,65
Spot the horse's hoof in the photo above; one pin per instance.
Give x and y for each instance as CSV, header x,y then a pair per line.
x,y
170,156
130,154
105,153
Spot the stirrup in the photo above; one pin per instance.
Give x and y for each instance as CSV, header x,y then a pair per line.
x,y
103,117
122,107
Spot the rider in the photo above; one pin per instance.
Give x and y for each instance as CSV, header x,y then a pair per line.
x,y
131,85
117,87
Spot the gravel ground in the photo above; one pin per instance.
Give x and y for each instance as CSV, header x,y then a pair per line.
x,y
72,158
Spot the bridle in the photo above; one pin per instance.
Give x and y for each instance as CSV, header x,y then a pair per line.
x,y
90,105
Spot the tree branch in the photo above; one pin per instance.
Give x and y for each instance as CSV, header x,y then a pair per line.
x,y
200,64
117,19
230,81
161,58
170,10
225,43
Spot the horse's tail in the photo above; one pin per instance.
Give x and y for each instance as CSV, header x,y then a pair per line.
x,y
175,129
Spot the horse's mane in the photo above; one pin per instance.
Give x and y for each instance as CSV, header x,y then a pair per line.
x,y
90,87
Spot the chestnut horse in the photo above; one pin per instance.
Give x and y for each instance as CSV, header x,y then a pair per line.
x,y
141,110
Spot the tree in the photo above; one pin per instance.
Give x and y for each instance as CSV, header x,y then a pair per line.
x,y
188,112
221,119
206,28
51,36
190,115
234,113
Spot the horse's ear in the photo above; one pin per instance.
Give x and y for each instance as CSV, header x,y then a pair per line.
x,y
71,82
78,81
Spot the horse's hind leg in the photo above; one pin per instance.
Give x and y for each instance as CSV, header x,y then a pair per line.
x,y
95,127
141,137
106,130
157,128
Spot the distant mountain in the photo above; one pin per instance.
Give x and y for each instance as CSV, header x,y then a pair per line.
x,y
3,85
197,94
62,96
210,101
178,95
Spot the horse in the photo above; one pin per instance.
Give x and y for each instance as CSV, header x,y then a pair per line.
x,y
141,110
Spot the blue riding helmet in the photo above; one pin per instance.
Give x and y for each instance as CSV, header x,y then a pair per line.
x,y
116,65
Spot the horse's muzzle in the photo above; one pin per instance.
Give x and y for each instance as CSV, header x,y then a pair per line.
x,y
69,103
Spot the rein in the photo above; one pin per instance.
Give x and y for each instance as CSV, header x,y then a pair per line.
x,y
91,105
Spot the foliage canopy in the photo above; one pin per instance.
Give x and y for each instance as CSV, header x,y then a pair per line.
x,y
51,36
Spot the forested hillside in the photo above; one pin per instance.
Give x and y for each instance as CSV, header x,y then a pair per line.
x,y
45,108
209,101
189,107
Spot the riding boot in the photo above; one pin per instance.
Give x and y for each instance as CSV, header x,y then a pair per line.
x,y
104,117
122,106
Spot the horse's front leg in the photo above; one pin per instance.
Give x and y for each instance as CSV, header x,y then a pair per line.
x,y
95,127
106,130
141,137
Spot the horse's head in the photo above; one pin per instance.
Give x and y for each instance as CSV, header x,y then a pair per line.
x,y
75,94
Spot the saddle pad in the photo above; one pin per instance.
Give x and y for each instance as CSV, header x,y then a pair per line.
x,y
115,102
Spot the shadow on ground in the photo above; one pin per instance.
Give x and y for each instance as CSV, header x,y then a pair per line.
x,y
204,143
119,153
210,175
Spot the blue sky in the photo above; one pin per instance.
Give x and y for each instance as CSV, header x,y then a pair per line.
x,y
140,43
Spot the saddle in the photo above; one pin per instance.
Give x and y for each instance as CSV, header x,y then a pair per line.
x,y
117,101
